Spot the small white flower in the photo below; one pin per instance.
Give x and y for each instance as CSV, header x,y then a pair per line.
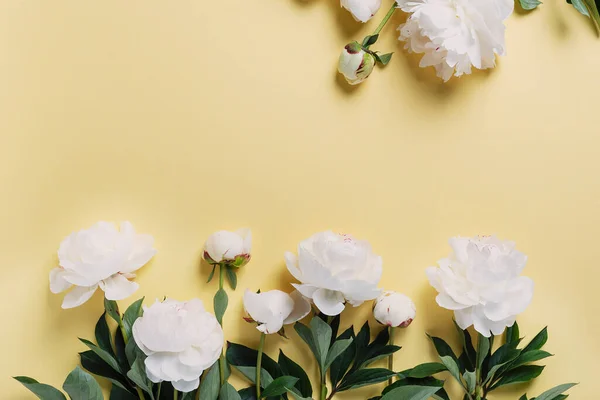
x,y
362,10
394,309
180,339
335,269
480,282
275,308
454,35
232,248
355,64
101,256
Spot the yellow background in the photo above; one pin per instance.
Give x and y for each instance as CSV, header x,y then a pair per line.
x,y
186,117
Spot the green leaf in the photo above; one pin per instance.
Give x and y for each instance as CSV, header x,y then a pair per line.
x,y
209,389
383,352
483,348
102,334
411,392
580,6
512,333
212,273
524,397
369,40
133,352
442,348
364,377
340,365
553,393
41,390
452,366
529,4
133,312
231,277
592,8
321,333
103,354
118,393
427,369
94,364
339,346
383,59
228,392
250,373
289,367
220,304
137,374
529,357
279,386
521,374
242,356
80,385
469,355
470,380
112,309
538,341
306,335
296,396
120,352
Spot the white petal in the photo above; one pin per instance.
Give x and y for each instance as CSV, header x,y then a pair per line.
x,y
291,262
329,302
464,318
301,308
306,290
447,302
78,296
117,287
186,386
57,281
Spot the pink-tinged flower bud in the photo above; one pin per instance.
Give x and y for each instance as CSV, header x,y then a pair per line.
x,y
229,248
394,309
355,64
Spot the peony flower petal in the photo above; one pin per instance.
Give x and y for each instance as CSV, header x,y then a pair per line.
x,y
78,296
306,290
58,283
447,302
301,308
329,302
186,386
291,262
117,287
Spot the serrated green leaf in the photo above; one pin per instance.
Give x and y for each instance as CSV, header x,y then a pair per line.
x,y
556,391
529,4
426,369
41,390
411,392
80,385
220,302
209,389
279,386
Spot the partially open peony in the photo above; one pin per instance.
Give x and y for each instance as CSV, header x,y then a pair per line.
x,y
455,35
273,309
481,283
335,269
362,10
180,339
101,256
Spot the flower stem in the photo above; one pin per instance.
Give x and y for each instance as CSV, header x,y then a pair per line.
x,y
259,364
222,357
386,19
323,388
175,394
391,356
158,391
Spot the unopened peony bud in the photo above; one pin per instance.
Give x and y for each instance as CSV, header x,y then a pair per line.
x,y
394,309
230,248
355,64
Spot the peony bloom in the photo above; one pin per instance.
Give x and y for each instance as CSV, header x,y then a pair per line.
x,y
394,309
480,282
454,35
100,256
232,248
362,10
335,269
274,308
355,64
180,339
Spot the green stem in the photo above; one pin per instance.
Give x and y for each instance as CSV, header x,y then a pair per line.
x,y
385,19
391,356
329,319
126,340
222,357
175,394
158,391
323,388
259,364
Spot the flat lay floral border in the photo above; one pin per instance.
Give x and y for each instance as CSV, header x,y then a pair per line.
x,y
454,36
174,349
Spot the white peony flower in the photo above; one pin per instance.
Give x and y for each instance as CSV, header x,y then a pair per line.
x,y
335,269
100,256
362,10
274,308
394,309
480,282
180,339
355,64
454,35
232,248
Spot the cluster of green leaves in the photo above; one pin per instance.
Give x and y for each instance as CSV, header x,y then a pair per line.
x,y
369,40
278,379
589,8
480,370
348,356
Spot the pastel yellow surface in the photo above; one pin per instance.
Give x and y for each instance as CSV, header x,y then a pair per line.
x,y
186,117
